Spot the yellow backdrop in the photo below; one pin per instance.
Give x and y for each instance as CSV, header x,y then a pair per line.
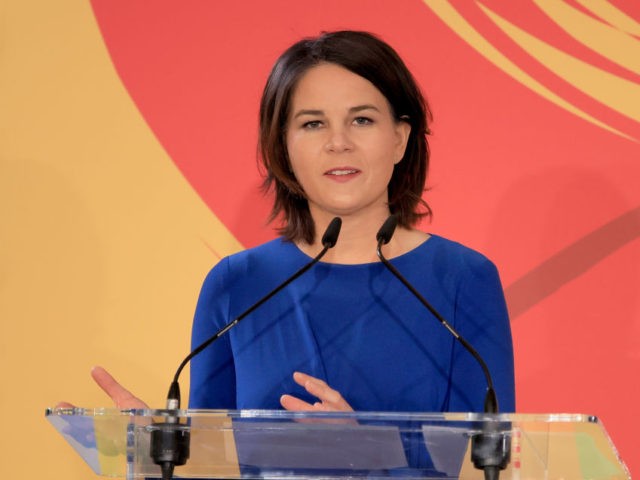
x,y
93,227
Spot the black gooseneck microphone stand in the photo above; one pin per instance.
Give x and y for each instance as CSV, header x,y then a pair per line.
x,y
170,439
491,449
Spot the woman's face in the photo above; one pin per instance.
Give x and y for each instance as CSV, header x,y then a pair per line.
x,y
343,142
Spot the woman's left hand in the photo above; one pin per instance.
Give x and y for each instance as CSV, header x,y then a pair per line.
x,y
329,400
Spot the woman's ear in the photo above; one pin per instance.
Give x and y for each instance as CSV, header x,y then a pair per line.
x,y
403,130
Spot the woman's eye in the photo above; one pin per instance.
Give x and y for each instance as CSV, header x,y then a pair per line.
x,y
362,121
312,124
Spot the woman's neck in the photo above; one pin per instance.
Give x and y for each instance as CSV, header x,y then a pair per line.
x,y
357,241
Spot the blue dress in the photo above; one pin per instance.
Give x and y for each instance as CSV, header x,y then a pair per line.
x,y
356,327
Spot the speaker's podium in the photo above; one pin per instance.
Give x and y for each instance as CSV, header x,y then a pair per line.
x,y
256,444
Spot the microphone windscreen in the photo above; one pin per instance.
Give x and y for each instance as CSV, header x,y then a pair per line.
x,y
386,230
330,236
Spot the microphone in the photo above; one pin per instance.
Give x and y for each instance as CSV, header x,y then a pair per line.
x,y
383,237
490,450
170,440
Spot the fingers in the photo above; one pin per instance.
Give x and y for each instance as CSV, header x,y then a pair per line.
x,y
319,388
122,397
329,400
294,404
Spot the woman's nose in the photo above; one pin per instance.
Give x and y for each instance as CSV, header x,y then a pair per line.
x,y
338,141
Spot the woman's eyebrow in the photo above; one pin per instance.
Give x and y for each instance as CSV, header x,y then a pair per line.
x,y
356,109
360,108
308,112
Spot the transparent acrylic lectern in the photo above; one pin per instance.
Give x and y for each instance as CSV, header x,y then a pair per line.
x,y
286,445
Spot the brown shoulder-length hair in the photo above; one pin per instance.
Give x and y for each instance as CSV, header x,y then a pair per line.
x,y
366,55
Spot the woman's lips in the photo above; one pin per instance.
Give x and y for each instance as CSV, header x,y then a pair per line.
x,y
342,174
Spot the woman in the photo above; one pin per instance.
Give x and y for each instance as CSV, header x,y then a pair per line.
x,y
343,133
343,130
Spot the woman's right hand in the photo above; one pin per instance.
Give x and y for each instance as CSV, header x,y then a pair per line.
x,y
122,398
